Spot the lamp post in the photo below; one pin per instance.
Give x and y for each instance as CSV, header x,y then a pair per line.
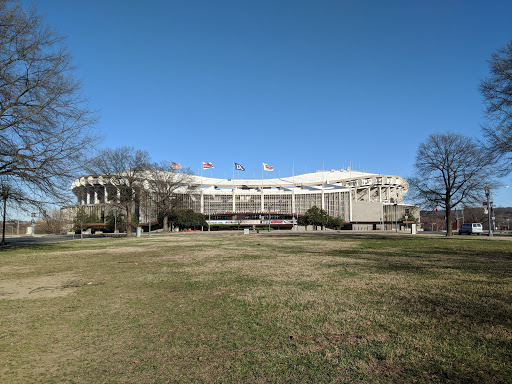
x,y
487,190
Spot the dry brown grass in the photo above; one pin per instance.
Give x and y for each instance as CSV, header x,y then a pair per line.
x,y
267,308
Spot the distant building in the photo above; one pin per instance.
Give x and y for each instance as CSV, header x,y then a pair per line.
x,y
364,200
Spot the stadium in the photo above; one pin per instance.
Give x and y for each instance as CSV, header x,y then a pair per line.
x,y
364,201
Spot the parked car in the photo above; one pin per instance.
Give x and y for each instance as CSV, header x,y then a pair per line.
x,y
470,228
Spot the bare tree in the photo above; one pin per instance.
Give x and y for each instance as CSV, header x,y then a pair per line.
x,y
475,215
450,170
497,93
127,169
45,123
433,220
12,196
162,185
51,222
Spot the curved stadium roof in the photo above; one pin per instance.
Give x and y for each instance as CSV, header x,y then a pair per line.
x,y
316,178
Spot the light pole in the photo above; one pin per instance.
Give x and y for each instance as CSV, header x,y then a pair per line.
x,y
487,190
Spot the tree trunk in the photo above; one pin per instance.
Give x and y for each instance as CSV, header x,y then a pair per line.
x,y
3,226
448,211
166,223
129,220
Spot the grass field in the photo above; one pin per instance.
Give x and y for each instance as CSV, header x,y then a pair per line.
x,y
257,308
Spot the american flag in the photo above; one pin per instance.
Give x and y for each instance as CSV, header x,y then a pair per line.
x,y
267,167
207,165
175,165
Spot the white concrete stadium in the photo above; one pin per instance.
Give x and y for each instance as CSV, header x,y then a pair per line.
x,y
363,200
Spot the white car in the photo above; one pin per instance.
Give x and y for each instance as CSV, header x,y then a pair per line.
x,y
470,228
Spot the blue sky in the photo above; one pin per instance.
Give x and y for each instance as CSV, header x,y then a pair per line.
x,y
310,84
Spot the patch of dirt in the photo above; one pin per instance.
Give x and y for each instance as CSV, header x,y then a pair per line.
x,y
15,269
38,287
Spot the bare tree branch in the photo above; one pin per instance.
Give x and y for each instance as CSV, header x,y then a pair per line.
x,y
126,168
450,170
45,122
497,93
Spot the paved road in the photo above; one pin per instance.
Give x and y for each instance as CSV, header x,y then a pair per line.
x,y
38,239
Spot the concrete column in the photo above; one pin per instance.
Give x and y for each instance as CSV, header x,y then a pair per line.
x,y
368,194
380,194
350,202
105,194
95,194
88,198
118,195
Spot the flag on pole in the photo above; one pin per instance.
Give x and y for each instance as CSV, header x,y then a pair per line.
x,y
207,165
175,166
238,167
267,167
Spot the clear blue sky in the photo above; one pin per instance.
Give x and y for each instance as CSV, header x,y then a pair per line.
x,y
319,84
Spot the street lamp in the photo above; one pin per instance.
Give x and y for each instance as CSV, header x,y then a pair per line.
x,y
487,190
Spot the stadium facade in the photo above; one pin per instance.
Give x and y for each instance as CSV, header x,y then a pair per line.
x,y
364,200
